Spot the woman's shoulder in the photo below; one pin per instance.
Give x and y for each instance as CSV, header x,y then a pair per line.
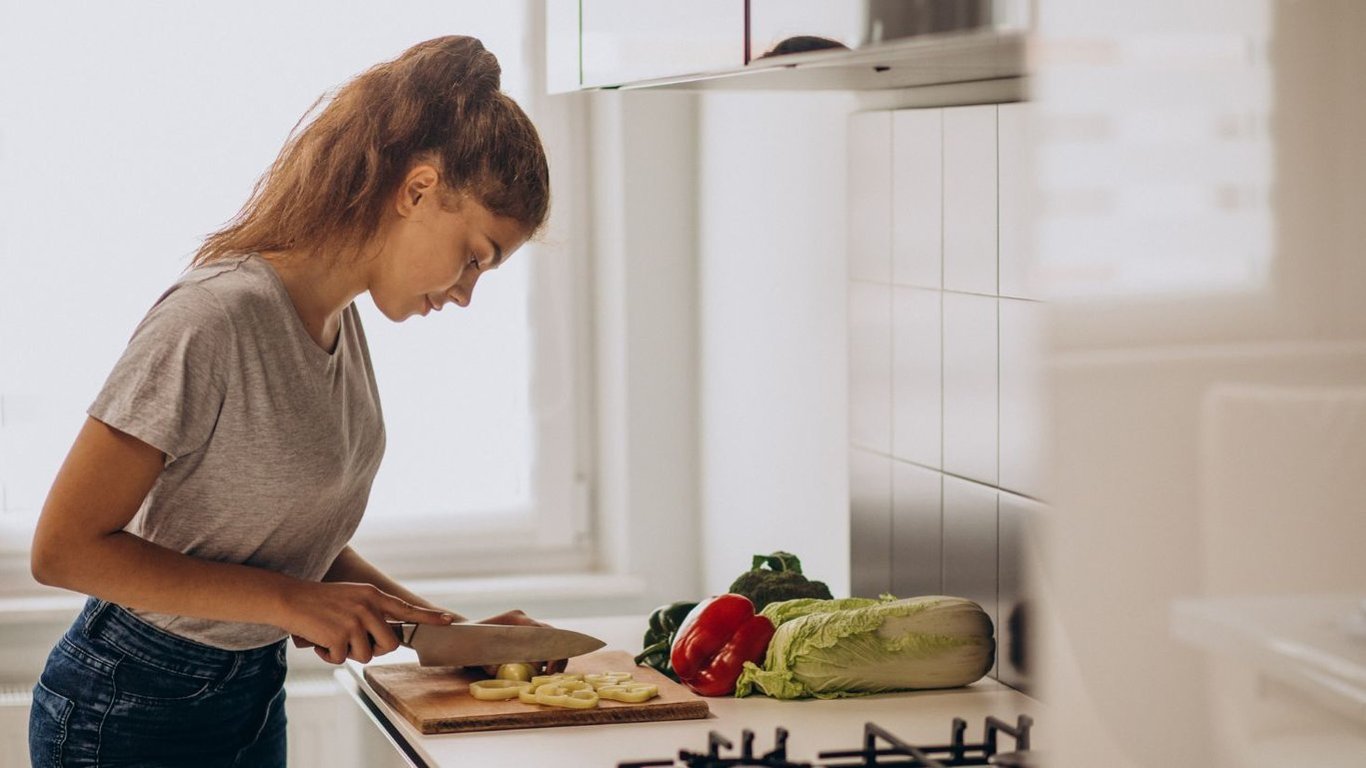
x,y
236,284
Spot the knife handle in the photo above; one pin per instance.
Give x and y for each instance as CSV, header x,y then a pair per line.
x,y
403,631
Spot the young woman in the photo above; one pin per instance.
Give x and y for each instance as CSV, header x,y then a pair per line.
x,y
207,502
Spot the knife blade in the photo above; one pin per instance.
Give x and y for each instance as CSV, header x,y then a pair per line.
x,y
468,645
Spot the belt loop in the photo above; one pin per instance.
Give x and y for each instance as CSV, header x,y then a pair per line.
x,y
97,612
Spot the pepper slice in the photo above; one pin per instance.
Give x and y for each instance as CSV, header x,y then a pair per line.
x,y
715,641
562,695
497,690
630,691
598,680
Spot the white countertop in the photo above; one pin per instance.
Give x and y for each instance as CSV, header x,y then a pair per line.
x,y
815,725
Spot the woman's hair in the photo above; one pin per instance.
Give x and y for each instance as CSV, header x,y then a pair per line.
x,y
439,102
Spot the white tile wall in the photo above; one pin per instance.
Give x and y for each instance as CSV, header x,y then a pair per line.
x,y
870,490
870,196
970,199
870,366
1022,420
943,362
917,197
917,530
1017,549
917,376
1013,196
970,544
970,386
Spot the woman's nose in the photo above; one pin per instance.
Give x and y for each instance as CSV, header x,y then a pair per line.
x,y
463,292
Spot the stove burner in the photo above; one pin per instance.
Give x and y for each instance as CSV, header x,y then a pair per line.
x,y
956,753
774,758
880,748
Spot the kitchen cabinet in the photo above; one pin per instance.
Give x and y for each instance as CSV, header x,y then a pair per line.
x,y
784,44
814,725
624,41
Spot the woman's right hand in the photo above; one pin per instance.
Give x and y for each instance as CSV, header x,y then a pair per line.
x,y
346,620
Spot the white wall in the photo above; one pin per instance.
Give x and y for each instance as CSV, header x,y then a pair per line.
x,y
773,333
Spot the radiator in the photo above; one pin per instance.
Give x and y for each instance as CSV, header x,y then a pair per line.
x,y
322,733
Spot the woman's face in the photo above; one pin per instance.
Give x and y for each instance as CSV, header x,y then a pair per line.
x,y
432,256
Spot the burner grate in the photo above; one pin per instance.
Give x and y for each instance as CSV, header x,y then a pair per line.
x,y
956,753
712,758
881,748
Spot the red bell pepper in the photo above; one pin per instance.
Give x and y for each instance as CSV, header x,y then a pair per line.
x,y
714,642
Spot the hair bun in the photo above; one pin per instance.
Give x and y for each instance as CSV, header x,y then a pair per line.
x,y
465,62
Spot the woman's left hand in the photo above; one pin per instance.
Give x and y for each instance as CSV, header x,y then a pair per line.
x,y
519,618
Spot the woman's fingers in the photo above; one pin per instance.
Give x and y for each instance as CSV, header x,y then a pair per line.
x,y
331,656
382,637
402,611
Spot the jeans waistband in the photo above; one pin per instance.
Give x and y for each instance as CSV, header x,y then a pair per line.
x,y
116,626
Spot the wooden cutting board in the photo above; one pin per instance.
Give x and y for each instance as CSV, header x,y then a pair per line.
x,y
437,699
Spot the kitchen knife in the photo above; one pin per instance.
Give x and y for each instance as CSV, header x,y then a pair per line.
x,y
470,645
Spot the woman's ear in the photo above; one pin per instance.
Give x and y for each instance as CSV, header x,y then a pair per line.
x,y
420,182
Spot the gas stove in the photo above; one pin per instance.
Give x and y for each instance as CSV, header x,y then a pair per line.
x,y
880,747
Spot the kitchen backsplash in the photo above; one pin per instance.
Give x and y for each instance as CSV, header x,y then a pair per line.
x,y
945,422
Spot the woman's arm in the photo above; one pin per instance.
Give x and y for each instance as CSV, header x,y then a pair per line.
x,y
80,545
350,566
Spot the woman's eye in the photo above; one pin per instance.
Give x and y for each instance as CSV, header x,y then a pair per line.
x,y
474,262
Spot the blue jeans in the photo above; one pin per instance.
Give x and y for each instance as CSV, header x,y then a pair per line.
x,y
117,691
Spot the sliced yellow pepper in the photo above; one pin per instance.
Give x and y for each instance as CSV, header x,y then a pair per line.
x,y
630,691
559,695
519,672
607,678
497,690
540,680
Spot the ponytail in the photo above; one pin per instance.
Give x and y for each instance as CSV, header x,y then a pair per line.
x,y
439,102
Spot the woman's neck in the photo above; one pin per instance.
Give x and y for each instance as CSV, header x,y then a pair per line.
x,y
320,289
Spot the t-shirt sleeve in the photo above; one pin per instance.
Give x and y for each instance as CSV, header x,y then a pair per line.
x,y
168,387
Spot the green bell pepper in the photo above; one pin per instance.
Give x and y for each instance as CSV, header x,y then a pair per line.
x,y
659,636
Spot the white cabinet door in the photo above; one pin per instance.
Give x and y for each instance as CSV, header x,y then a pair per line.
x,y
629,40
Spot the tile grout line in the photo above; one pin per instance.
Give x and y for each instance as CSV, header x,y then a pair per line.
x,y
891,349
942,517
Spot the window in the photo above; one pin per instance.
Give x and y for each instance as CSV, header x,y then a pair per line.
x,y
118,152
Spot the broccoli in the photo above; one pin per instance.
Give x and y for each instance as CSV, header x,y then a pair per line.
x,y
782,580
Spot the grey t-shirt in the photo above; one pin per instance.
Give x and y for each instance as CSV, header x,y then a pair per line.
x,y
271,442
